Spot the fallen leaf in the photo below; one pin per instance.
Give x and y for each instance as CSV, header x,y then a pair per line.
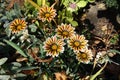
x,y
60,76
21,59
29,72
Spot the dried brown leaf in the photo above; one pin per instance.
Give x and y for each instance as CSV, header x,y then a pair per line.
x,y
60,76
34,55
21,59
28,72
12,2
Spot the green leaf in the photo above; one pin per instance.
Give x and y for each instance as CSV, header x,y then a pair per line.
x,y
33,28
114,39
16,47
70,19
15,67
65,2
9,15
39,2
20,76
74,23
41,50
116,51
82,4
2,71
2,44
91,1
7,30
17,11
3,60
28,68
37,23
34,39
4,77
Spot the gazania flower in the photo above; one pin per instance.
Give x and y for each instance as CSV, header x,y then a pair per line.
x,y
47,13
65,31
17,25
77,42
53,46
85,56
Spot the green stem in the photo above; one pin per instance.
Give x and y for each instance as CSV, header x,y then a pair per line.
x,y
96,74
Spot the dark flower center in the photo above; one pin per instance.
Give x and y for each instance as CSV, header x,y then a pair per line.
x,y
77,43
65,33
54,46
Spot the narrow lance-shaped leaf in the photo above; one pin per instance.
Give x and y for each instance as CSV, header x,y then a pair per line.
x,y
4,77
16,47
2,61
116,51
34,4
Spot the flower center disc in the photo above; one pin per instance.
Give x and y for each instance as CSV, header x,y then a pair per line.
x,y
83,55
65,33
77,43
47,15
19,27
54,47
